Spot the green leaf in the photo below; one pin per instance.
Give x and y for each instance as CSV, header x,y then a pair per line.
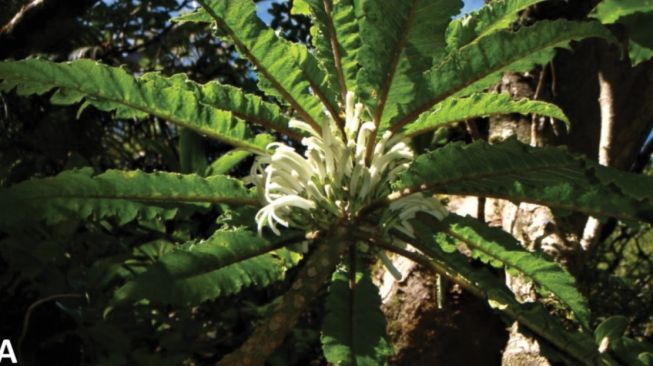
x,y
481,64
248,107
498,247
609,11
612,327
400,40
630,351
113,89
289,70
226,162
334,24
197,16
646,358
224,264
120,195
636,17
481,282
499,14
454,110
520,173
354,328
639,53
301,7
640,38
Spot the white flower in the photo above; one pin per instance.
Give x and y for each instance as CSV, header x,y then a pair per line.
x,y
407,207
333,180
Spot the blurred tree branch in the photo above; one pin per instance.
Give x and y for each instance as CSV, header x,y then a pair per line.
x,y
42,17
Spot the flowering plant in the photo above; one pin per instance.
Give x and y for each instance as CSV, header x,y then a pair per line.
x,y
341,175
334,181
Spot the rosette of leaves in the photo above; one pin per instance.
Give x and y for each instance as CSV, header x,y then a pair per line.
x,y
413,70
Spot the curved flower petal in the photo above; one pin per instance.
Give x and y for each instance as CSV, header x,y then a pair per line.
x,y
332,178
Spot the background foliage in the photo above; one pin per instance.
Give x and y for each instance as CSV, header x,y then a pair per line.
x,y
39,139
49,278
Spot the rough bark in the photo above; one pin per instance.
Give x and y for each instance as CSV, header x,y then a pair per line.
x,y
522,350
604,99
572,82
463,331
433,322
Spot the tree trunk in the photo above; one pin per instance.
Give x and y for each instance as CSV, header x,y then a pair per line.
x,y
435,323
605,100
425,334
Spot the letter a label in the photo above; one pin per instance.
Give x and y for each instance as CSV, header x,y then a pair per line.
x,y
7,351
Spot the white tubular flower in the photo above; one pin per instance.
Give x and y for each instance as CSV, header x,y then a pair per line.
x,y
407,207
270,214
332,179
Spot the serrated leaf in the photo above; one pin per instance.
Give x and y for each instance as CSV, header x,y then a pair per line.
x,y
113,89
227,262
485,284
120,195
454,110
498,247
520,173
197,16
493,16
400,40
316,270
481,64
288,70
336,39
354,327
609,11
248,107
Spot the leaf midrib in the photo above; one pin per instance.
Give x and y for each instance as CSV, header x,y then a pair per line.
x,y
275,83
434,187
235,260
333,37
172,119
399,49
428,128
508,262
138,198
427,105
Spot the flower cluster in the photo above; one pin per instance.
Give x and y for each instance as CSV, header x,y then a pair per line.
x,y
333,180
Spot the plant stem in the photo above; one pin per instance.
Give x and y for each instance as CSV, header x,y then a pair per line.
x,y
270,334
